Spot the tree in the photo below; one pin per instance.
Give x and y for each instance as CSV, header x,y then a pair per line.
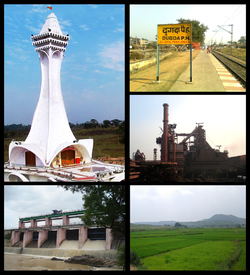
x,y
94,123
106,123
198,29
177,224
104,205
116,122
242,40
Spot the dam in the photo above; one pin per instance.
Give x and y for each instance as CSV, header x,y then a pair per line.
x,y
56,238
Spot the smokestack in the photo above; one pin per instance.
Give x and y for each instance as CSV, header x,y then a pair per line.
x,y
164,145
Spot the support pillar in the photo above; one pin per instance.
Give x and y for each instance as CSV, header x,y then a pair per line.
x,y
109,238
15,237
65,220
21,224
48,221
83,236
27,237
60,236
33,223
42,237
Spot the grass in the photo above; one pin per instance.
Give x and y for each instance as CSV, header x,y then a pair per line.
x,y
190,249
240,53
203,256
241,263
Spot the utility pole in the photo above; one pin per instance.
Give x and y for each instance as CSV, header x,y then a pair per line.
x,y
230,33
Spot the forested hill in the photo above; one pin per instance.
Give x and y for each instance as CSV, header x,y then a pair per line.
x,y
230,218
217,220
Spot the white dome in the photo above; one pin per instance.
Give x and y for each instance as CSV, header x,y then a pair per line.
x,y
52,24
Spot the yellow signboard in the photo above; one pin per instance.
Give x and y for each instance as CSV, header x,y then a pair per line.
x,y
174,34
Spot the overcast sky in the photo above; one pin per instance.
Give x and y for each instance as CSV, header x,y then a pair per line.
x,y
224,118
185,203
29,200
144,19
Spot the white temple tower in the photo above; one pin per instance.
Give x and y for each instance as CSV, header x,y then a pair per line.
x,y
50,141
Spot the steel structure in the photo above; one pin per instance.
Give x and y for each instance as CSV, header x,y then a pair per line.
x,y
171,152
195,155
75,213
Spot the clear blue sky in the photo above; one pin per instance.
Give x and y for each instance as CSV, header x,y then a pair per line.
x,y
224,118
92,73
144,19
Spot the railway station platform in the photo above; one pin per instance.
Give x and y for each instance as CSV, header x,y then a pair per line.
x,y
208,75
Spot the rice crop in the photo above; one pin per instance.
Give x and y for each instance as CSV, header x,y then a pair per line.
x,y
190,249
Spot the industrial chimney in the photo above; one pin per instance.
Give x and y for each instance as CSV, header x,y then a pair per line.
x,y
164,142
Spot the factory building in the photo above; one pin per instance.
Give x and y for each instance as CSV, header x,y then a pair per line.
x,y
193,153
192,157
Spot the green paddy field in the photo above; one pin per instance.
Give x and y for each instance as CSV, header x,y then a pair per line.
x,y
190,249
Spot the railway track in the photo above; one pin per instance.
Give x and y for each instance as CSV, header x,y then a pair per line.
x,y
233,64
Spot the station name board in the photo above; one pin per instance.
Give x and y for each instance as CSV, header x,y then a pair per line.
x,y
174,34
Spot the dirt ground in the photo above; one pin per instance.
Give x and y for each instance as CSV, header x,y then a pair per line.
x,y
169,71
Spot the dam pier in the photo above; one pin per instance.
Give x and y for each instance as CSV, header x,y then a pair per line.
x,y
58,236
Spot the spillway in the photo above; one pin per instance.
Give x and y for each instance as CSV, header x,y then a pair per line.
x,y
64,253
94,245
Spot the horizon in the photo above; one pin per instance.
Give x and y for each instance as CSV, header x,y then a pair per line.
x,y
69,122
192,221
185,202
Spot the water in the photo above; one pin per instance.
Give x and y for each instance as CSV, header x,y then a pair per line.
x,y
94,245
51,252
88,245
30,262
69,245
18,258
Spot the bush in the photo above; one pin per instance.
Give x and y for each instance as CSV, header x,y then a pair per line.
x,y
121,256
134,259
136,55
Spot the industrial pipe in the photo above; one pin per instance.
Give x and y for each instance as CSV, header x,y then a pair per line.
x,y
164,145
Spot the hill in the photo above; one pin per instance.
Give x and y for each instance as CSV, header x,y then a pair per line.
x,y
229,218
157,223
217,220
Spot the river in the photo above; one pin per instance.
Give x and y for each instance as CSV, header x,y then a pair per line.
x,y
34,262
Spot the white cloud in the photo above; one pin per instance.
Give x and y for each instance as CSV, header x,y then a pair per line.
x,y
93,6
39,9
185,203
119,30
84,27
65,23
113,56
34,29
29,200
185,192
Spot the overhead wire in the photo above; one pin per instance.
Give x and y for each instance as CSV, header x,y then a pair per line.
x,y
231,17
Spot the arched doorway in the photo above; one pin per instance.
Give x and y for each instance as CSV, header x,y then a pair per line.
x,y
68,156
30,158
